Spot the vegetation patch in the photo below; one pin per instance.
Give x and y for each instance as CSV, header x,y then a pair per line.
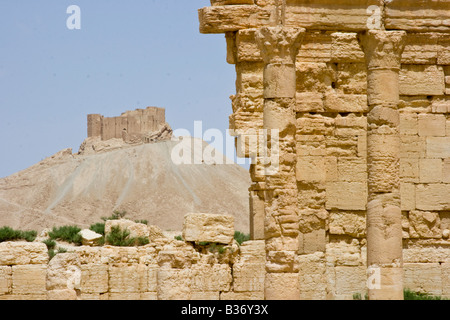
x,y
66,233
121,238
9,234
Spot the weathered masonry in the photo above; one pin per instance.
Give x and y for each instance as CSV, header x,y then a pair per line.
x,y
129,125
359,92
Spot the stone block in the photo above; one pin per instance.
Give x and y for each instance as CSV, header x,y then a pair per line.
x,y
312,276
282,286
351,223
351,78
149,296
424,225
5,280
346,195
310,169
446,279
420,49
249,277
433,196
313,241
443,56
430,170
242,295
257,214
314,77
63,272
210,278
21,253
427,80
94,278
111,254
438,147
124,278
345,48
124,296
331,166
401,15
423,277
253,251
409,169
413,146
309,102
174,284
352,169
380,145
335,102
29,279
316,47
350,280
408,196
204,227
37,297
221,19
408,123
446,171
62,294
431,125
344,254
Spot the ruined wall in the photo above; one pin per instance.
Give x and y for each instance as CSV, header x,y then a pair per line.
x,y
335,116
165,269
130,125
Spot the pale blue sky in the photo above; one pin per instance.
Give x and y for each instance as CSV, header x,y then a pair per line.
x,y
127,55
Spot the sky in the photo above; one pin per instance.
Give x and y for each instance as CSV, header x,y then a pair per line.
x,y
126,55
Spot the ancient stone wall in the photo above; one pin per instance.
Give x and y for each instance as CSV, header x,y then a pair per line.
x,y
130,125
372,140
164,269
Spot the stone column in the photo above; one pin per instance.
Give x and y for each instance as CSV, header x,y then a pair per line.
x,y
383,51
279,47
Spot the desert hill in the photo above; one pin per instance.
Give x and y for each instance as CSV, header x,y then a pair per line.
x,y
79,189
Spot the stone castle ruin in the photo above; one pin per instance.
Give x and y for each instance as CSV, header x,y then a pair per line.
x,y
131,126
358,92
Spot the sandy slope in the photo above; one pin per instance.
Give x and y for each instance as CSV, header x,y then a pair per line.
x,y
143,180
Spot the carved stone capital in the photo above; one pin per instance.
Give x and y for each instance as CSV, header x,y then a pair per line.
x,y
279,44
383,49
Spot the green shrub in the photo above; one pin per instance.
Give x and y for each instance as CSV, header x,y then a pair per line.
x,y
411,295
66,233
98,228
9,234
51,244
179,238
241,237
115,216
407,295
120,238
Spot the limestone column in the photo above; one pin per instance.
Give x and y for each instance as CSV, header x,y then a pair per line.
x,y
279,47
383,51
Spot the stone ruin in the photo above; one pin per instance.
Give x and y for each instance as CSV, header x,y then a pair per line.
x,y
359,94
131,126
205,264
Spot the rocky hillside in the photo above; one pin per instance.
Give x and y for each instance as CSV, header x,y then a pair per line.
x,y
79,189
